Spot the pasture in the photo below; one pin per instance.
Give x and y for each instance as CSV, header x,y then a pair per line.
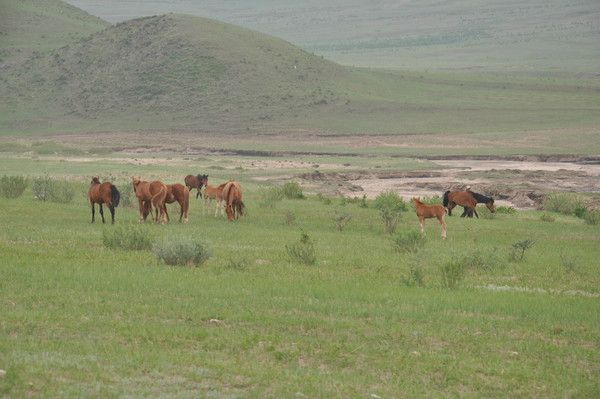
x,y
365,320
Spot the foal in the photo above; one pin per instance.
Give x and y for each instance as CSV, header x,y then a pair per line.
x,y
425,211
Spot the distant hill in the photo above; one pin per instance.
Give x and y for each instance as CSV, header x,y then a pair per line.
x,y
481,35
28,26
174,70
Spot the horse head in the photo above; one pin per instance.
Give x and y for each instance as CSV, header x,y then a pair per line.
x,y
490,205
203,179
95,180
135,180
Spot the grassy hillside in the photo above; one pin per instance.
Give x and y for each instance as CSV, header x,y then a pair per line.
x,y
29,26
551,36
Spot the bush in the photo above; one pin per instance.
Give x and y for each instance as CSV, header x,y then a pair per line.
x,y
269,196
433,200
302,251
565,203
508,210
390,200
363,202
131,238
128,199
482,259
408,241
580,211
592,217
390,218
341,220
290,218
519,248
292,190
545,217
569,263
12,186
453,273
415,275
47,189
180,250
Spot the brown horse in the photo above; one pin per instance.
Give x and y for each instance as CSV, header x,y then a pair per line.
x,y
232,196
196,182
103,193
425,211
151,194
213,193
181,194
468,200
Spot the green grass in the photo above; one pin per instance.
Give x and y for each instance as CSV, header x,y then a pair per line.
x,y
83,320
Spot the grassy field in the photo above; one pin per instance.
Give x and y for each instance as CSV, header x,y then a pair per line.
x,y
82,319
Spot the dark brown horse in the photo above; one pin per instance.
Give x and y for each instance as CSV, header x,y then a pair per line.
x,y
232,196
425,211
103,193
151,194
468,200
196,182
181,194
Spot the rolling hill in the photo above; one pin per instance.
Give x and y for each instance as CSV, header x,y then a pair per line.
x,y
29,26
183,73
511,35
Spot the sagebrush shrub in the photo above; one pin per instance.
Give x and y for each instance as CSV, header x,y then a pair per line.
x,y
12,186
292,190
390,218
181,250
545,217
408,241
592,217
131,238
519,248
509,210
390,200
453,272
341,220
565,203
302,251
47,189
269,196
482,259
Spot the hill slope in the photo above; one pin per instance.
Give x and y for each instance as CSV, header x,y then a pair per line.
x,y
159,70
510,35
28,26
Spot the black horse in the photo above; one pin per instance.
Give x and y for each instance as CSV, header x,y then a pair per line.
x,y
481,199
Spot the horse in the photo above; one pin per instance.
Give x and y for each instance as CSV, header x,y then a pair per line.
x,y
196,182
213,193
232,196
425,211
103,193
181,194
468,200
151,194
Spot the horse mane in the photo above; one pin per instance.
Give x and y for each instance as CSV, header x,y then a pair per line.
x,y
482,198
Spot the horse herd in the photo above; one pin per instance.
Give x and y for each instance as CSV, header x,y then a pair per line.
x,y
155,195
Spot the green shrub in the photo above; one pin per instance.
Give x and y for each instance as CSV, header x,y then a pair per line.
x,y
408,241
47,189
341,220
363,202
12,186
569,263
508,210
519,248
290,218
292,190
269,196
181,250
580,211
592,217
415,275
302,251
128,198
390,200
565,203
390,218
481,259
453,272
545,217
131,238
433,200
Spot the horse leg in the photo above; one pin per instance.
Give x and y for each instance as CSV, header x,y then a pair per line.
x,y
142,210
451,205
464,212
443,224
422,223
102,213
112,213
93,212
476,214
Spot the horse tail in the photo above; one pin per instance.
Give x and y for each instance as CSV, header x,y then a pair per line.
x,y
115,196
446,200
241,208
